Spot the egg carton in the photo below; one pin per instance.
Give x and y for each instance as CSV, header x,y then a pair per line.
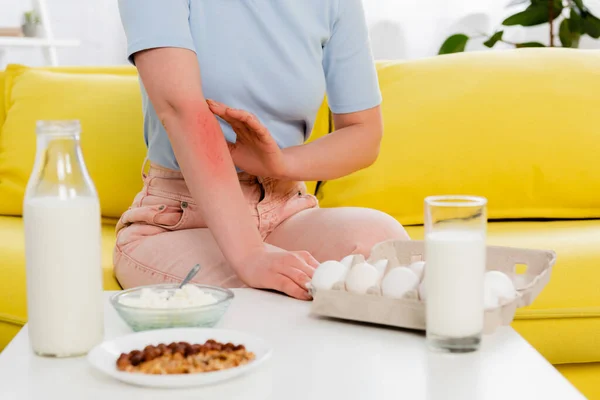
x,y
409,311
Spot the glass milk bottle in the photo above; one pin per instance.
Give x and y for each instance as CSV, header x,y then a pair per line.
x,y
455,253
62,246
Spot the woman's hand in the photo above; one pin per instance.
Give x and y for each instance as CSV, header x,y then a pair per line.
x,y
255,151
273,268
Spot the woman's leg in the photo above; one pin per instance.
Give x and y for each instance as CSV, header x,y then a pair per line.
x,y
333,233
162,235
157,256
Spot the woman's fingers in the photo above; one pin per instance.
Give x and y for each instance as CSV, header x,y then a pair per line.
x,y
225,113
284,284
216,107
296,275
243,122
295,268
251,123
310,260
221,110
237,122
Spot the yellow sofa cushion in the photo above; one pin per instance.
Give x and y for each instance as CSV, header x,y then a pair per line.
x,y
518,127
13,304
117,70
322,127
2,111
108,106
584,377
564,322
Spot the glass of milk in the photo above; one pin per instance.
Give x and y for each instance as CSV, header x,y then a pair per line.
x,y
62,219
455,252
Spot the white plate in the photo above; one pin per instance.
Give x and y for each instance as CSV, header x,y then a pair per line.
x,y
104,356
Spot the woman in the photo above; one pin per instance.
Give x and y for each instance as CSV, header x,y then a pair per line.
x,y
272,61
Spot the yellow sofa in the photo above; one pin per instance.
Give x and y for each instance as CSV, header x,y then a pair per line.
x,y
519,127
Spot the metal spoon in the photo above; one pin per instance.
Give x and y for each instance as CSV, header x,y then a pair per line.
x,y
188,278
190,275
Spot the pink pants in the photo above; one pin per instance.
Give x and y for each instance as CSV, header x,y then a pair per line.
x,y
163,235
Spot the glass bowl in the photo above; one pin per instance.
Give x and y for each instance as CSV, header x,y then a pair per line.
x,y
143,319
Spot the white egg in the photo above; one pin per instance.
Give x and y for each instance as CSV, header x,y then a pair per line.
x,y
347,261
398,282
418,268
422,292
328,274
381,265
490,300
361,277
498,285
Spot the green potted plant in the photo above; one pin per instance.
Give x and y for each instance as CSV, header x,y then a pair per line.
x,y
576,21
31,21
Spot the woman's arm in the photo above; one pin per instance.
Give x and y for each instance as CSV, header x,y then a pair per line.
x,y
171,77
353,146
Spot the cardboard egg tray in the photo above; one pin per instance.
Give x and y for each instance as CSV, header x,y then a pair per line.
x,y
409,312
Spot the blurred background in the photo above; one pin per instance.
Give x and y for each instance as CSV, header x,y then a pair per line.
x,y
89,32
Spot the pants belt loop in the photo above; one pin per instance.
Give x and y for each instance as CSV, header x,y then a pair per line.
x,y
144,174
263,188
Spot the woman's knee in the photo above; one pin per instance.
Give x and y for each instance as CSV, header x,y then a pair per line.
x,y
375,227
167,258
131,273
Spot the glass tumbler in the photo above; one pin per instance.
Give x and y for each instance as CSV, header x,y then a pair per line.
x,y
455,252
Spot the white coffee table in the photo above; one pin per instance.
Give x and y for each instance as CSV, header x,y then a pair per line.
x,y
313,358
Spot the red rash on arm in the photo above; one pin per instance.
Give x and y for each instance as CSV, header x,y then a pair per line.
x,y
171,77
204,137
210,133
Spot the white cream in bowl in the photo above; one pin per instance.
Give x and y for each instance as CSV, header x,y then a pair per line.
x,y
188,296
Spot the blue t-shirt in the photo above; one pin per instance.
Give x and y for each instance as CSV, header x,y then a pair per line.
x,y
273,58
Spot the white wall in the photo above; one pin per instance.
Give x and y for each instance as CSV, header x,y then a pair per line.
x,y
417,28
400,29
95,22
